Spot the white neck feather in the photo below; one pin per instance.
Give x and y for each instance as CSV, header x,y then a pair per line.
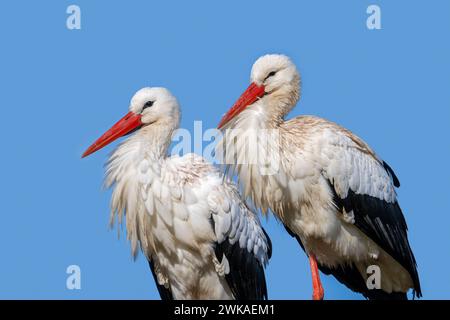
x,y
264,117
139,157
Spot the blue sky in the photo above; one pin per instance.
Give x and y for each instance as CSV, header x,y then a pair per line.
x,y
62,88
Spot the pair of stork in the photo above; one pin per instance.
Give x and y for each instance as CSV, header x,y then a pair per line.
x,y
202,241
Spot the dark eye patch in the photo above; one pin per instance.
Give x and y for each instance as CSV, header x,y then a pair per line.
x,y
271,74
148,104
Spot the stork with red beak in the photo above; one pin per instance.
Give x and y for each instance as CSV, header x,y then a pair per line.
x,y
200,238
330,189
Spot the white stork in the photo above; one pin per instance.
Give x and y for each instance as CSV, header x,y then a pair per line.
x,y
200,238
331,191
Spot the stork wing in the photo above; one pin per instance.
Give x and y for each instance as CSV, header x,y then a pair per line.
x,y
363,187
242,246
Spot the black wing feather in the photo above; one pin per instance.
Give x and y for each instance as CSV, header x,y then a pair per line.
x,y
384,223
392,174
351,277
246,278
164,293
269,244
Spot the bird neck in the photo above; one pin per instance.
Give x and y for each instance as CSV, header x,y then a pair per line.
x,y
156,139
270,111
280,102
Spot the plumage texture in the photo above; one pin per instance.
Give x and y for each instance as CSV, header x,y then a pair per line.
x,y
327,186
179,211
318,160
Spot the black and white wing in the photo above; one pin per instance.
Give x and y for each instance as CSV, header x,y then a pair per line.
x,y
364,185
242,248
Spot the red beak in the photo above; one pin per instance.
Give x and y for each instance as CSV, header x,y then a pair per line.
x,y
253,93
130,122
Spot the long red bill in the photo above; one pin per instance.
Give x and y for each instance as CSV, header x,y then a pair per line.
x,y
130,122
253,93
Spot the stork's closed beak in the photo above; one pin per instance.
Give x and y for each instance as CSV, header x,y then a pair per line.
x,y
253,93
130,122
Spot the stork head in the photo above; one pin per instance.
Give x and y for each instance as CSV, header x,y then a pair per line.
x,y
155,105
274,78
148,107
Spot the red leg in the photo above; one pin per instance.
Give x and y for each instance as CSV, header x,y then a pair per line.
x,y
318,292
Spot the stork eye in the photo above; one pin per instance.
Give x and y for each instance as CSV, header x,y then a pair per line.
x,y
271,74
148,104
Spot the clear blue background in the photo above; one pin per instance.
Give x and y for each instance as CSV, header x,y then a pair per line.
x,y
61,89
